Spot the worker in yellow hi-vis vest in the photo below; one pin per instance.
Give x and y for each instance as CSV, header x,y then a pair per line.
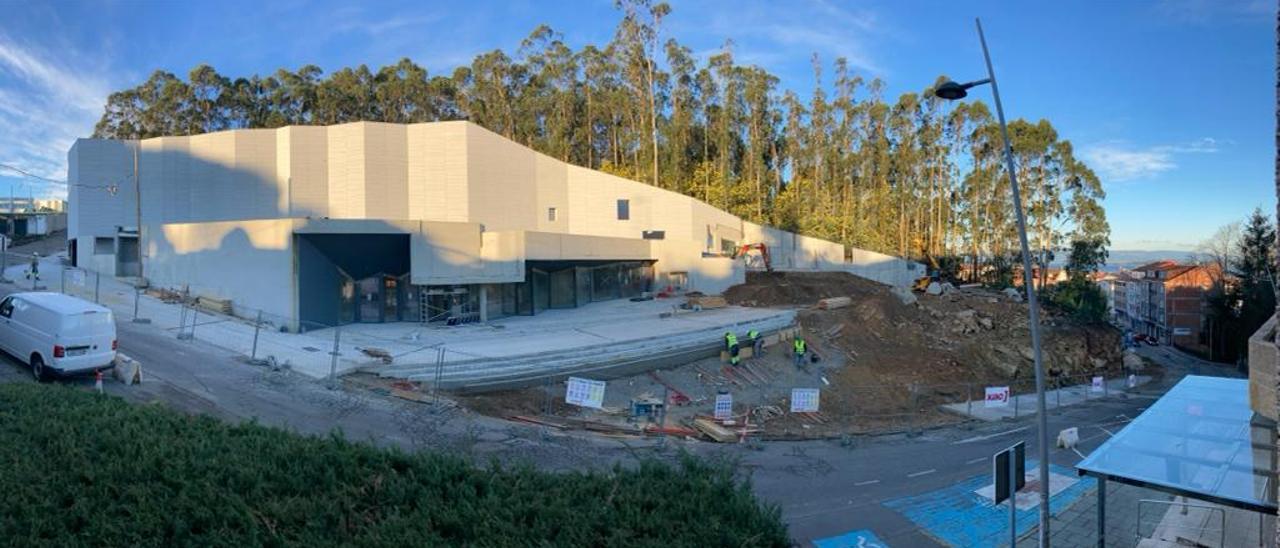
x,y
731,344
800,349
757,343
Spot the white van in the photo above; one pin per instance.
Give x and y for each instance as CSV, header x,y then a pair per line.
x,y
57,334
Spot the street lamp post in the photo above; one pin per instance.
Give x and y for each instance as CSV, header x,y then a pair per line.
x,y
952,91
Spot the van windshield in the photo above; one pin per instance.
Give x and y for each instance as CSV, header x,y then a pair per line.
x,y
86,321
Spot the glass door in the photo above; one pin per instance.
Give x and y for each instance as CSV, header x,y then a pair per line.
x,y
390,299
370,309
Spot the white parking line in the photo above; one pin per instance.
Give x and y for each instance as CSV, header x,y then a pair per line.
x,y
977,460
922,472
989,436
865,483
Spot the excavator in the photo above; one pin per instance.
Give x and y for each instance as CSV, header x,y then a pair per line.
x,y
764,253
932,269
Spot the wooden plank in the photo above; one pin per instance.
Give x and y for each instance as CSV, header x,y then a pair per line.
x,y
730,376
676,396
537,421
670,430
715,431
735,377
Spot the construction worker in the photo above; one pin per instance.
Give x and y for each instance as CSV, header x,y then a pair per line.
x,y
800,349
731,344
34,272
757,343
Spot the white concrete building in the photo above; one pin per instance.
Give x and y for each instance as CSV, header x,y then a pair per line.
x,y
371,222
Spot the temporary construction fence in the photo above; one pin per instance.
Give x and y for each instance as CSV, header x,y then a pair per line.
x,y
318,350
326,351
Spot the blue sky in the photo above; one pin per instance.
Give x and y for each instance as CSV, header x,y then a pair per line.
x,y
1171,102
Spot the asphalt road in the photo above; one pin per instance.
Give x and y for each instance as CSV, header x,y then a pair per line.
x,y
823,488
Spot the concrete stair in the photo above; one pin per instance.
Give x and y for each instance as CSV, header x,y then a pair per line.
x,y
601,361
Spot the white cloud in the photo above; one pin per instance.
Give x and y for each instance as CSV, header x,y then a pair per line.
x,y
1118,161
45,104
1205,144
776,34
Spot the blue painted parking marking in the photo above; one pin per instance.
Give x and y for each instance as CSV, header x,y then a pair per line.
x,y
862,538
957,516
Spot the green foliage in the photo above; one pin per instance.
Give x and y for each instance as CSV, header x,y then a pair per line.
x,y
83,469
913,177
1079,297
1245,297
1086,257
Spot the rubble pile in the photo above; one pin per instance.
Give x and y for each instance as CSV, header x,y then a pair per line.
x,y
913,348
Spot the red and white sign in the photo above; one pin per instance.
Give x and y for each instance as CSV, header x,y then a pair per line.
x,y
997,396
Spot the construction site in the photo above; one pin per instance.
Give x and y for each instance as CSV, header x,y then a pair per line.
x,y
884,359
443,260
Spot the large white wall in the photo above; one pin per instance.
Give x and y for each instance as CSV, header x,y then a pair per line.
x,y
92,166
248,262
446,172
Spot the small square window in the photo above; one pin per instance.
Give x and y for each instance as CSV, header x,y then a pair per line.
x,y
624,210
104,246
551,214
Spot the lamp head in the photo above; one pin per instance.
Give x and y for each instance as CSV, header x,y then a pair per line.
x,y
951,91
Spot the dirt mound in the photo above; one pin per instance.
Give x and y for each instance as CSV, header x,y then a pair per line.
x,y
905,359
800,288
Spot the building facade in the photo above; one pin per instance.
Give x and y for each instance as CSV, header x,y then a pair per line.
x,y
372,222
1167,300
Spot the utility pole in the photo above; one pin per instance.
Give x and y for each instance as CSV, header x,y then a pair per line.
x,y
137,204
952,91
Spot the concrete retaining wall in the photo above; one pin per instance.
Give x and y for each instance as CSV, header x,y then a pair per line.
x,y
1262,370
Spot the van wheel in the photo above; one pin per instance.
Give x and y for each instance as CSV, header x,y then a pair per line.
x,y
38,370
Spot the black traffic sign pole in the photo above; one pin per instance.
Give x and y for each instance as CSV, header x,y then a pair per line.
x,y
1009,473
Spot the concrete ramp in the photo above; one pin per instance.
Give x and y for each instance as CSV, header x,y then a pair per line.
x,y
601,341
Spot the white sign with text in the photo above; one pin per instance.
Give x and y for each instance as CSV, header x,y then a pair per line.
x,y
1097,385
997,396
584,393
804,400
724,406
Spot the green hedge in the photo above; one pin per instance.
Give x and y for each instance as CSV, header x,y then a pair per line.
x,y
80,468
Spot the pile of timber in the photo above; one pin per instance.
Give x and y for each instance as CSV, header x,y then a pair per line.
x,y
707,302
213,304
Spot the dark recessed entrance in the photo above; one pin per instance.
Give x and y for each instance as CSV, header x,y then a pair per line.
x,y
348,278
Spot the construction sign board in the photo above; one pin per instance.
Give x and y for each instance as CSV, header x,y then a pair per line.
x,y
804,400
1133,381
1097,385
584,393
997,396
724,406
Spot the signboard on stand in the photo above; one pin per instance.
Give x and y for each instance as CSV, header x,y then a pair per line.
x,y
584,393
724,407
1097,385
804,400
997,396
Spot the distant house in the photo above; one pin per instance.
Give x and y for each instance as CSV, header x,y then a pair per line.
x,y
1167,300
1054,276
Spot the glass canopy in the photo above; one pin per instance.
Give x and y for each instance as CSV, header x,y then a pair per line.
x,y
1200,440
